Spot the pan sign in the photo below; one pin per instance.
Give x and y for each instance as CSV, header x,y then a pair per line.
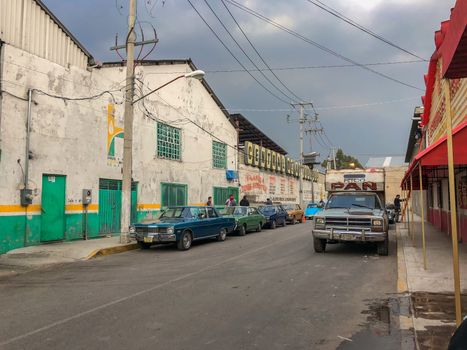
x,y
354,186
267,159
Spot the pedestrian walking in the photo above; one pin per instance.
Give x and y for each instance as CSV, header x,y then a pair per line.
x,y
209,202
244,202
268,201
230,202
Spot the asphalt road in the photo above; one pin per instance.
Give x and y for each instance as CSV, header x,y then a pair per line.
x,y
267,290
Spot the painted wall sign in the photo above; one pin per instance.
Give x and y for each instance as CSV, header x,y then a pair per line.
x,y
114,138
262,157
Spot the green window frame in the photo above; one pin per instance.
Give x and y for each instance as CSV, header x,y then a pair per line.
x,y
173,195
168,142
219,155
221,194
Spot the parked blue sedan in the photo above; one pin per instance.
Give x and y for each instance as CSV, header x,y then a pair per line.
x,y
311,210
275,215
183,225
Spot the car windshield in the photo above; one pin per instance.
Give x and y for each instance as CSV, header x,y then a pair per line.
x,y
172,213
353,201
266,209
288,207
311,205
240,211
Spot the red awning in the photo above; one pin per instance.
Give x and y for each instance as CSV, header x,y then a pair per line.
x,y
437,153
454,46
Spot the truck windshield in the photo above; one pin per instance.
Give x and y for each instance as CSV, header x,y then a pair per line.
x,y
352,201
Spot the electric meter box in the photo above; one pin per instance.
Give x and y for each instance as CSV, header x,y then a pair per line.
x,y
87,196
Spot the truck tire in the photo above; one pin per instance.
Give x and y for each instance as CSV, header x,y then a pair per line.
x,y
319,244
242,230
383,247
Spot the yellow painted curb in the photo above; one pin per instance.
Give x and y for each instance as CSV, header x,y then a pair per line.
x,y
112,250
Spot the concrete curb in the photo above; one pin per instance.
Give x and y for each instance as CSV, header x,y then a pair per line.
x,y
111,250
406,315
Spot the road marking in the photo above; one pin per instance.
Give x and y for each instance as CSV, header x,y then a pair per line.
x,y
134,295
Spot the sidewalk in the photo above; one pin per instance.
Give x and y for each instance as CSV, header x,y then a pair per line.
x,y
35,257
431,290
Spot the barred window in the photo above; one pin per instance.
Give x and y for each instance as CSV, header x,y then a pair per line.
x,y
168,142
219,155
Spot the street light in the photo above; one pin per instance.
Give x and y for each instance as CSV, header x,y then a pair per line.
x,y
128,154
197,74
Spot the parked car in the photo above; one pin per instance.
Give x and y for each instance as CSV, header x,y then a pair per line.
x,y
246,218
391,210
312,209
294,213
275,215
183,225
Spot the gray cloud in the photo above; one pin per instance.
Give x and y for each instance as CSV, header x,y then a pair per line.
x,y
380,129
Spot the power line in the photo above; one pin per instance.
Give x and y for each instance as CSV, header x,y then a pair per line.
x,y
235,57
259,55
244,52
315,44
299,67
355,24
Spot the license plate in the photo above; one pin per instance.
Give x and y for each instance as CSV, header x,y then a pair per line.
x,y
147,239
347,237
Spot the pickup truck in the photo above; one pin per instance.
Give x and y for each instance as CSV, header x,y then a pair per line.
x,y
352,214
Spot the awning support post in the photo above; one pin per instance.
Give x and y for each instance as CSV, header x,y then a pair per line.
x,y
452,202
407,207
423,215
411,210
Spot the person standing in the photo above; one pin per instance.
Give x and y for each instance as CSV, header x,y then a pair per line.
x,y
268,201
244,202
209,202
230,202
397,206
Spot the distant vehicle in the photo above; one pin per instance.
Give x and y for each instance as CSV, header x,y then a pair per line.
x,y
311,210
391,211
246,219
183,225
275,215
294,213
353,212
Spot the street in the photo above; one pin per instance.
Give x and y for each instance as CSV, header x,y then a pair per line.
x,y
267,290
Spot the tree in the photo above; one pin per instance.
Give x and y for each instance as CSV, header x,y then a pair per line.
x,y
343,161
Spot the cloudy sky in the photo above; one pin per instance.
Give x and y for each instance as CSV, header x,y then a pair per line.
x,y
362,112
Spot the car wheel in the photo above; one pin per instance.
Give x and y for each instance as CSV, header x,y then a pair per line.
x,y
242,230
294,220
301,219
143,245
185,241
319,245
284,223
383,247
222,235
273,224
260,226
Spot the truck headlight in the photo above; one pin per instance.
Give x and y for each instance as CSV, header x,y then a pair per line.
x,y
377,222
320,221
170,230
132,229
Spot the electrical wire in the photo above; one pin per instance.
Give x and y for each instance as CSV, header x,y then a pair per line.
x,y
296,67
235,57
259,55
245,53
316,44
355,24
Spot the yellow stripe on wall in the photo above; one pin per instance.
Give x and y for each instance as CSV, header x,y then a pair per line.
x,y
148,206
7,208
80,207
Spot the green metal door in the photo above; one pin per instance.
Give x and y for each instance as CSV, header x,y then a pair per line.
x,y
110,205
53,208
173,194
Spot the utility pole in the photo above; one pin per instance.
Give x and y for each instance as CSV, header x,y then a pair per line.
x,y
302,121
334,157
128,126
